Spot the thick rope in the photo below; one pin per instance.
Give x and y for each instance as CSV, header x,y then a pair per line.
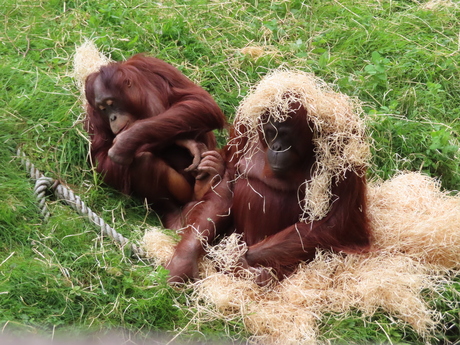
x,y
41,186
44,184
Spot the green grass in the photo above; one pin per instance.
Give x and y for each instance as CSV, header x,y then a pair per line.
x,y
400,59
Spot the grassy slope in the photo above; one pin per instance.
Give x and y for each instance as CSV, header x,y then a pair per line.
x,y
398,58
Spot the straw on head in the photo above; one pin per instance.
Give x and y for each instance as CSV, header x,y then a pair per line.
x,y
87,59
339,130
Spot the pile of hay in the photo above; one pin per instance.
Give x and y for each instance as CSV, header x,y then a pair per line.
x,y
417,242
340,140
158,246
411,215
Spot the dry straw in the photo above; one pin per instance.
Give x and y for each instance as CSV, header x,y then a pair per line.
x,y
339,130
411,215
438,4
87,60
256,52
159,245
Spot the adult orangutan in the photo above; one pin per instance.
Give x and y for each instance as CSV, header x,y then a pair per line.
x,y
291,180
149,125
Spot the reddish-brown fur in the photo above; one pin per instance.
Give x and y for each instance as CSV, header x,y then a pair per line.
x,y
164,107
265,208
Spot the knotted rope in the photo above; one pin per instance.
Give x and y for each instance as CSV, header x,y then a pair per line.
x,y
44,184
